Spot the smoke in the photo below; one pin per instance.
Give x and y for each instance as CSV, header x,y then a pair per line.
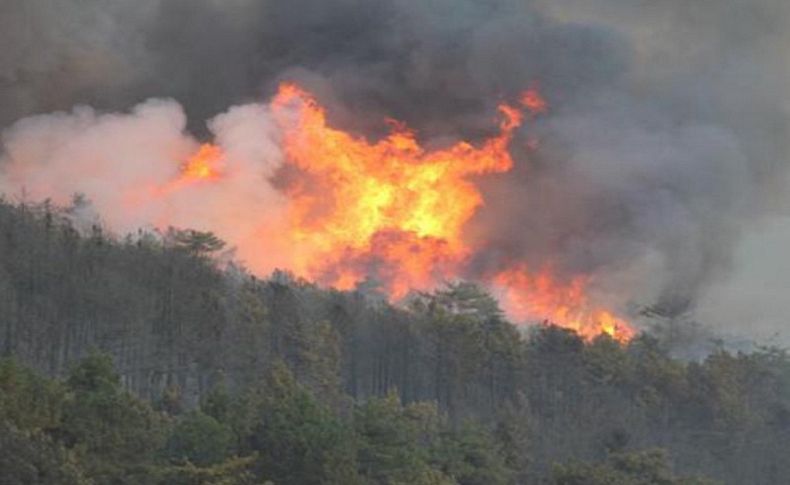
x,y
124,164
666,136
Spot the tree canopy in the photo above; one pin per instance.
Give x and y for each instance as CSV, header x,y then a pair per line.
x,y
145,360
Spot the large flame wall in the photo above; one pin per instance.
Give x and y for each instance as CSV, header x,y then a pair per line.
x,y
290,191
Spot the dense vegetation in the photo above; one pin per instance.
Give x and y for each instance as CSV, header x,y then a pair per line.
x,y
142,360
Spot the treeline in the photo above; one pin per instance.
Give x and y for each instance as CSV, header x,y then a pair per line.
x,y
224,377
86,429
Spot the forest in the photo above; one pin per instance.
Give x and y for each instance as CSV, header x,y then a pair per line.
x,y
154,358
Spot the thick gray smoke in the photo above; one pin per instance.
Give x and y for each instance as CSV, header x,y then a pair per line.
x,y
666,136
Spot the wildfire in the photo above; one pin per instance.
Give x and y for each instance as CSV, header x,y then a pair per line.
x,y
539,297
395,212
203,165
534,102
390,209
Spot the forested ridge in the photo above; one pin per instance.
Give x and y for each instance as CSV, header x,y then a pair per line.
x,y
142,359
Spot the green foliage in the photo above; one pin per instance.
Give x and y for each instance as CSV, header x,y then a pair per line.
x,y
27,400
94,375
297,440
233,471
171,401
114,434
217,403
643,468
471,456
607,361
33,458
396,441
354,390
467,299
513,437
200,439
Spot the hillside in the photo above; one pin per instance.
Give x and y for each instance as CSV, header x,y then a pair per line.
x,y
150,362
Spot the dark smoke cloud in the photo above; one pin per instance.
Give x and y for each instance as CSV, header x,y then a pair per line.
x,y
436,65
667,132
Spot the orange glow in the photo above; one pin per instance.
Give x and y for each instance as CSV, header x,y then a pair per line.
x,y
534,102
395,212
203,165
391,207
539,297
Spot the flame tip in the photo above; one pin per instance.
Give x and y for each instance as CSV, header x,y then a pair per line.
x,y
396,211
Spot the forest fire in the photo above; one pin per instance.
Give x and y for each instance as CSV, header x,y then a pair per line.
x,y
539,296
394,212
288,190
357,242
203,165
390,209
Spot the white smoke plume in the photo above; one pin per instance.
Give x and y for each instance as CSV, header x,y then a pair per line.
x,y
123,163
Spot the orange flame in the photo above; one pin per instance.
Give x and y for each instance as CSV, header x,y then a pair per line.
x,y
540,297
390,207
203,165
395,211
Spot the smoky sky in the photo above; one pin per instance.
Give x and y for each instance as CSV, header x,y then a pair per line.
x,y
665,140
436,65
